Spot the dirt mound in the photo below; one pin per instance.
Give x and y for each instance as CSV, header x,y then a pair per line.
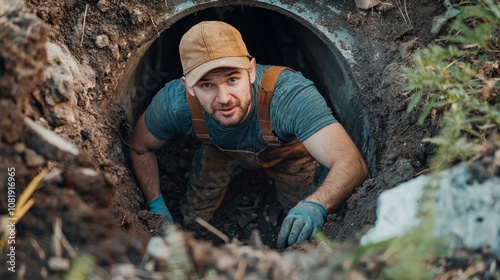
x,y
75,197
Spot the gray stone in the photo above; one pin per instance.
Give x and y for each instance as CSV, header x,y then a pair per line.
x,y
33,159
50,145
58,264
441,20
60,95
59,74
468,211
54,176
370,4
366,4
103,5
61,114
158,249
101,41
123,271
8,7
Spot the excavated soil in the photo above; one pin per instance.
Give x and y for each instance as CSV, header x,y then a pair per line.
x,y
104,214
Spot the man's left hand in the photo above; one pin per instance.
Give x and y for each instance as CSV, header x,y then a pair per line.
x,y
302,222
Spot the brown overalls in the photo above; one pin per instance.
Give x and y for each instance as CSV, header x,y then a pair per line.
x,y
290,165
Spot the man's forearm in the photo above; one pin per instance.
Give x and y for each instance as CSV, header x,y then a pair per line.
x,y
146,171
340,183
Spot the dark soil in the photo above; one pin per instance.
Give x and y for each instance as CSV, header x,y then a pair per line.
x,y
105,215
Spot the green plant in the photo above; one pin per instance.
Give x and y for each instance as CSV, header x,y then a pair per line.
x,y
458,78
455,80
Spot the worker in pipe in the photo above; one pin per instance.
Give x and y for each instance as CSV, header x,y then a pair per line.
x,y
247,116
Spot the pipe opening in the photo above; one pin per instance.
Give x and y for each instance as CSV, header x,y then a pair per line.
x,y
272,38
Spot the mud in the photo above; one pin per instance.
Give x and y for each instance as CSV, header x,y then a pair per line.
x,y
105,215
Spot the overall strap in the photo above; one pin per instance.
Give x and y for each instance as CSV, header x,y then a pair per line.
x,y
198,119
266,92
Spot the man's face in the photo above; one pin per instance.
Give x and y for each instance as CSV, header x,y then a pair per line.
x,y
226,94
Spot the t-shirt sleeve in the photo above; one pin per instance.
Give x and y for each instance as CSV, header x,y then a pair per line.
x,y
298,110
168,113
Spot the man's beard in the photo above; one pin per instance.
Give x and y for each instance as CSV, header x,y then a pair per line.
x,y
237,117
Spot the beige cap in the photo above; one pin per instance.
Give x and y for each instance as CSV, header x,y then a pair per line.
x,y
209,45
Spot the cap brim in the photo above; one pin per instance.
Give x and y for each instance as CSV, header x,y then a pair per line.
x,y
231,62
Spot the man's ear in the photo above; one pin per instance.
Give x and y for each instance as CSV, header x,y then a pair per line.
x,y
251,71
189,89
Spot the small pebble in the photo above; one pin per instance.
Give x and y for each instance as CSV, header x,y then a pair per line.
x,y
58,264
101,41
158,249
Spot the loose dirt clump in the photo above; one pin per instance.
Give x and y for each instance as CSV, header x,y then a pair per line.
x,y
75,197
65,75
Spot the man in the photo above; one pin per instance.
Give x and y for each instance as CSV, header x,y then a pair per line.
x,y
217,101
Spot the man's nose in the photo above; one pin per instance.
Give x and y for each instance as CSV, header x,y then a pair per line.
x,y
223,94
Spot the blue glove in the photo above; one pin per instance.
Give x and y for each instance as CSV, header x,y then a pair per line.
x,y
302,222
158,206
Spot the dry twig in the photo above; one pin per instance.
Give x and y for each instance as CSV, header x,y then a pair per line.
x,y
38,249
156,27
123,220
422,172
69,248
404,13
212,229
83,27
137,151
240,270
56,237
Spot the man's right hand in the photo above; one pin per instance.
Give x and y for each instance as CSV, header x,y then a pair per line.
x,y
158,206
301,223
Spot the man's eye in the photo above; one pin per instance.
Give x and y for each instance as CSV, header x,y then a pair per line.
x,y
206,85
232,79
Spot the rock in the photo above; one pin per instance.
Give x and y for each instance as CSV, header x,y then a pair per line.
x,y
10,6
60,95
22,61
158,249
91,185
85,135
397,211
467,210
366,4
440,21
370,4
224,262
59,73
33,159
48,144
58,264
115,51
103,5
11,128
101,41
53,176
19,148
124,271
60,115
138,16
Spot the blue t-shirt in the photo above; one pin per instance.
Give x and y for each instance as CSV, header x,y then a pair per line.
x,y
297,111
